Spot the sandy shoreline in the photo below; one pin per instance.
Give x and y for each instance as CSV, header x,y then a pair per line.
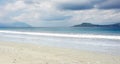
x,y
16,53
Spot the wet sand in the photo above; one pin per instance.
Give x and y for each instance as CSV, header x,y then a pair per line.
x,y
21,53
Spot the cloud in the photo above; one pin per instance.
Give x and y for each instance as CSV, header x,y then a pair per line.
x,y
96,16
42,13
55,17
75,5
78,4
72,5
109,4
89,4
15,6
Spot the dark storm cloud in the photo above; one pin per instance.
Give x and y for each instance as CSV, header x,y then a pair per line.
x,y
79,5
73,6
110,4
90,4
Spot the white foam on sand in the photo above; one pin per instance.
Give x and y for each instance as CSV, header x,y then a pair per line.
x,y
63,35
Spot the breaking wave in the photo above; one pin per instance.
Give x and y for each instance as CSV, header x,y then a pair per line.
x,y
63,35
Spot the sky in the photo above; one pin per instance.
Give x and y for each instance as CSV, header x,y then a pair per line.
x,y
55,13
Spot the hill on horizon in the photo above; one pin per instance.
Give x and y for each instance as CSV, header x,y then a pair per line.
x,y
15,24
96,25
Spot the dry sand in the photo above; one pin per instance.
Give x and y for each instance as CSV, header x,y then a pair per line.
x,y
16,53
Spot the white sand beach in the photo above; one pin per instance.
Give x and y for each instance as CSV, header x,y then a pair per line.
x,y
19,53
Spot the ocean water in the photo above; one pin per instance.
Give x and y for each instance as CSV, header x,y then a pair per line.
x,y
104,40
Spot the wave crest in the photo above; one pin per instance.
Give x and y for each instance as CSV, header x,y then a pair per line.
x,y
64,35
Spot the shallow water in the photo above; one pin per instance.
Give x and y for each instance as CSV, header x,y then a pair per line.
x,y
46,36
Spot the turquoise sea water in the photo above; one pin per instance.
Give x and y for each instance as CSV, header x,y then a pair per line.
x,y
71,30
104,45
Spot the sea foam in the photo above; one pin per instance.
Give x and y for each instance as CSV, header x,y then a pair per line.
x,y
63,35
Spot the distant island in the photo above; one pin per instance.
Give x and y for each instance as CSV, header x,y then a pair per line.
x,y
95,25
15,24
